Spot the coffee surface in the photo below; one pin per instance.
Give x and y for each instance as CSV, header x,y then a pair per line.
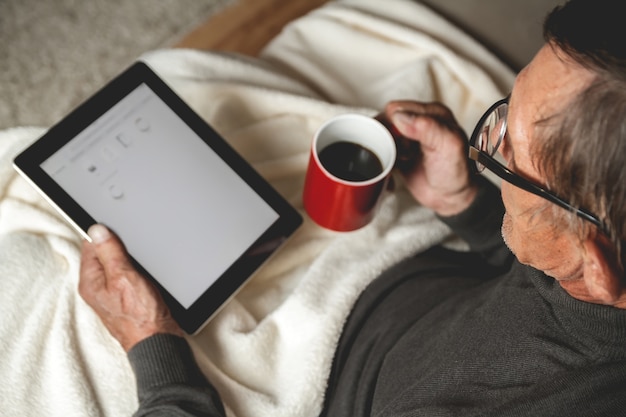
x,y
350,161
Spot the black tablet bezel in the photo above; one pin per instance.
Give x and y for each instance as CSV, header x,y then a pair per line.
x,y
191,319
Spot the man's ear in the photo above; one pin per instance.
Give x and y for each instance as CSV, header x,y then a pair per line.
x,y
603,275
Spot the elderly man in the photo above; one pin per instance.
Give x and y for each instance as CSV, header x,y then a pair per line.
x,y
530,322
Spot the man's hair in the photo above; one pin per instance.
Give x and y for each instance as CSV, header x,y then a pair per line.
x,y
584,156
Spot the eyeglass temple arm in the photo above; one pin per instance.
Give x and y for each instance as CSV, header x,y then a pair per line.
x,y
512,178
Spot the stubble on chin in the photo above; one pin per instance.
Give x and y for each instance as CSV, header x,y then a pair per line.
x,y
507,230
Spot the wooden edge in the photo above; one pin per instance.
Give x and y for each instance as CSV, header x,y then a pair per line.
x,y
247,25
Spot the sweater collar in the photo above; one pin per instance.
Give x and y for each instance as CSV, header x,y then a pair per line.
x,y
602,328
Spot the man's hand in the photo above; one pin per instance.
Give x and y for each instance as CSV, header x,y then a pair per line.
x,y
128,305
439,178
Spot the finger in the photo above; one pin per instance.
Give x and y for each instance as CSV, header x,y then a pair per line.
x,y
422,122
408,150
423,128
110,252
92,279
434,110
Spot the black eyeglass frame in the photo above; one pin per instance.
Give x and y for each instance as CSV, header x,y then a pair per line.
x,y
511,177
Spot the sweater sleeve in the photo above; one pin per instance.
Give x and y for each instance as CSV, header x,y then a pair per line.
x,y
481,223
169,382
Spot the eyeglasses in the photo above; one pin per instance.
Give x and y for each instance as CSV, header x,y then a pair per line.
x,y
488,135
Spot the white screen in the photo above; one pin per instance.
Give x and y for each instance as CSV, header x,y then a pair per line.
x,y
181,211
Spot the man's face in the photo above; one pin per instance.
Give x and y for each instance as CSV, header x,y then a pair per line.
x,y
542,89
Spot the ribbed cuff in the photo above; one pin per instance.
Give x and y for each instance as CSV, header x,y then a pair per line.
x,y
164,359
480,224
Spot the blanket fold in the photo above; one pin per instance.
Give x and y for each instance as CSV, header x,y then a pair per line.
x,y
269,351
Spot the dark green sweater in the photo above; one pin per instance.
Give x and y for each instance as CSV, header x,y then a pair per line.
x,y
454,334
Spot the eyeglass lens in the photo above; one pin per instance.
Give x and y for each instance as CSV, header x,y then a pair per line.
x,y
492,132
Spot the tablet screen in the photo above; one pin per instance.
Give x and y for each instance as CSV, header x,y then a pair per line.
x,y
140,154
195,217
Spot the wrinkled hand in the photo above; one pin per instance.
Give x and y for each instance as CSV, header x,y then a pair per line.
x,y
129,306
439,178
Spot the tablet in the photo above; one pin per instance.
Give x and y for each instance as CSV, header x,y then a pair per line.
x,y
195,217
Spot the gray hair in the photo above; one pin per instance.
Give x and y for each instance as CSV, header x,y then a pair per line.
x,y
584,152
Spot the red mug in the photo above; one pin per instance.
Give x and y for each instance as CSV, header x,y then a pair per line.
x,y
350,165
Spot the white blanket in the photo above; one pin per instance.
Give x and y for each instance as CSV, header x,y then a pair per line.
x,y
270,349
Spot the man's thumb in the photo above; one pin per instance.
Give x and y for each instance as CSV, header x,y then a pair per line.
x,y
99,234
109,249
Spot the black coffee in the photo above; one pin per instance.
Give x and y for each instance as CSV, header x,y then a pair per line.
x,y
350,161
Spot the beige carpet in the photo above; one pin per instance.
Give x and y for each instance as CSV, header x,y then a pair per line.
x,y
54,54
